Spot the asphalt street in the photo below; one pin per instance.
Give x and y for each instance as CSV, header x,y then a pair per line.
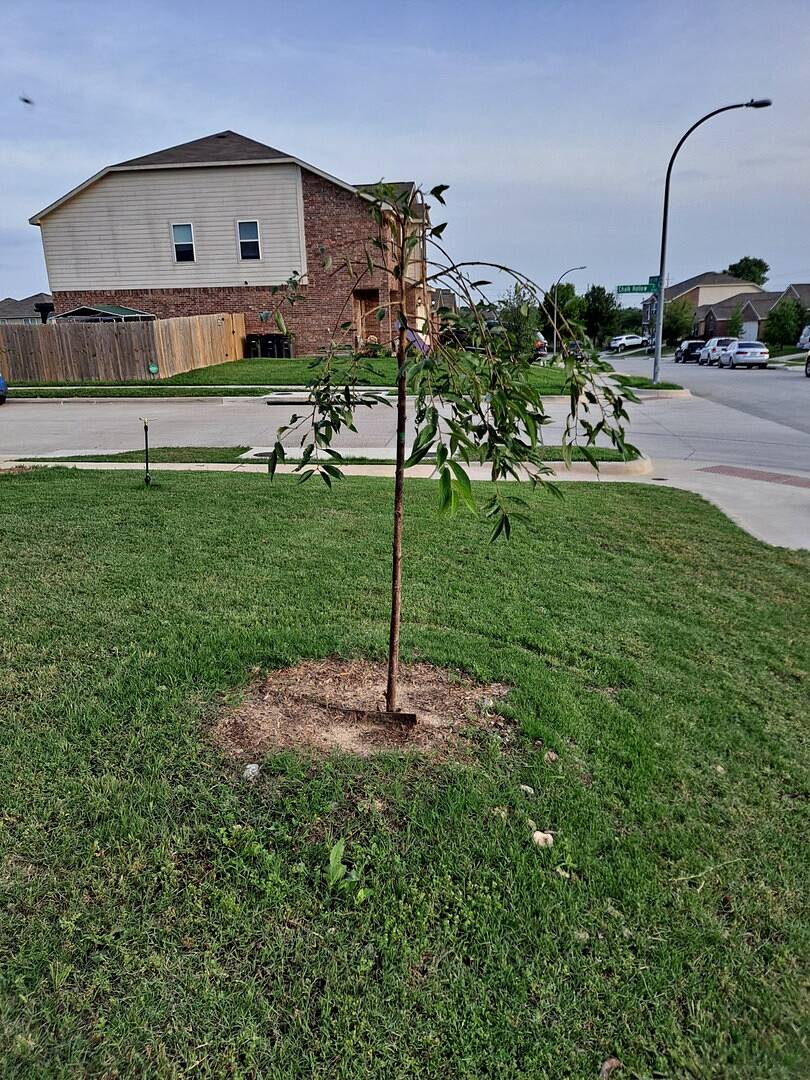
x,y
782,396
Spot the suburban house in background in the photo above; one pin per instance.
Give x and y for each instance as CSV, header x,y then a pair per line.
x,y
712,320
211,226
701,291
28,311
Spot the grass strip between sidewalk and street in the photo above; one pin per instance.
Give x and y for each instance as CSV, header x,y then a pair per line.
x,y
642,382
163,916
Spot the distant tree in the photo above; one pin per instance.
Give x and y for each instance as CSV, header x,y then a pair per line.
x,y
562,305
518,316
600,314
749,268
628,320
734,326
784,323
679,315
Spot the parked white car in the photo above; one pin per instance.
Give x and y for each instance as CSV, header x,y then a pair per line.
x,y
744,354
710,353
628,341
804,339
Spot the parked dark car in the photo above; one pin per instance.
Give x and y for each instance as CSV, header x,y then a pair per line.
x,y
3,390
688,350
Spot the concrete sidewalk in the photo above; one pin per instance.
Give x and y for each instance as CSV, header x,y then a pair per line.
x,y
772,506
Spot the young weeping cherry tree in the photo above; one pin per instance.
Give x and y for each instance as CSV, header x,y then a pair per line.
x,y
473,398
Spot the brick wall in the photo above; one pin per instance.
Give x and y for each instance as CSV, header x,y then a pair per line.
x,y
336,223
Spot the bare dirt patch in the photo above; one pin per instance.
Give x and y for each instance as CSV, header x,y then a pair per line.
x,y
324,705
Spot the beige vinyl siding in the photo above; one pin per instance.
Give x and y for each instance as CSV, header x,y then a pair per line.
x,y
116,234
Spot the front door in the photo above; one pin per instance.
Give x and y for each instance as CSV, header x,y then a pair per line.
x,y
366,321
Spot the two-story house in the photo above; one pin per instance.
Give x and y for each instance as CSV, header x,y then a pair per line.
x,y
700,291
211,226
30,311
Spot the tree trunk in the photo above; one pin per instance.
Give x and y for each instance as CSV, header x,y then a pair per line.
x,y
399,478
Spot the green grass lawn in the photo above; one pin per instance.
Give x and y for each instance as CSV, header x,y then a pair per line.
x,y
642,382
227,454
129,390
161,917
249,376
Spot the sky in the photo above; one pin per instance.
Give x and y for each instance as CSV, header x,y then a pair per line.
x,y
551,120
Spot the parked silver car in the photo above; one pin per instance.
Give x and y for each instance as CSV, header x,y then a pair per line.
x,y
710,353
744,354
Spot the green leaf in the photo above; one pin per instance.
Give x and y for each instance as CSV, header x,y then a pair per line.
x,y
279,320
437,230
499,528
438,191
590,457
463,484
336,869
445,490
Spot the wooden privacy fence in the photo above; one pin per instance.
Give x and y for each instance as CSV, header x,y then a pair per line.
x,y
83,352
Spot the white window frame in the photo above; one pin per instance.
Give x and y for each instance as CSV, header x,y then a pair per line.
x,y
248,221
181,262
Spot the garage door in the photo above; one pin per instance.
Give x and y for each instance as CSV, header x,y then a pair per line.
x,y
749,330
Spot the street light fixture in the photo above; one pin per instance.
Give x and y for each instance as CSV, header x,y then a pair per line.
x,y
754,103
556,309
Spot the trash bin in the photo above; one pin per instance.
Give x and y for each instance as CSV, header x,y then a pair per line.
x,y
276,346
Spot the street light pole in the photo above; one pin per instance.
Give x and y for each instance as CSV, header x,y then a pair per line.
x,y
556,286
759,103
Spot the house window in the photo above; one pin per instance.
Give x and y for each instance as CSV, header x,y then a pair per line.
x,y
248,232
183,240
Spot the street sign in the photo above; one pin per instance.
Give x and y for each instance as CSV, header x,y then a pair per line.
x,y
654,280
634,288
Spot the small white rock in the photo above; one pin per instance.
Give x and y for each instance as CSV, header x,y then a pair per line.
x,y
550,757
543,839
526,789
251,772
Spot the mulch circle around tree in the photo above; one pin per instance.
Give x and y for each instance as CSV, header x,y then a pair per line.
x,y
320,706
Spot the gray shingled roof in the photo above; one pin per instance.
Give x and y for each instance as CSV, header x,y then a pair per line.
x,y
760,302
804,293
709,278
224,146
723,309
23,309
